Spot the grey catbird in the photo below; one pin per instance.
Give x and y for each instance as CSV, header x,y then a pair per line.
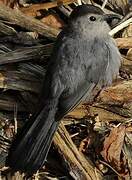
x,y
83,57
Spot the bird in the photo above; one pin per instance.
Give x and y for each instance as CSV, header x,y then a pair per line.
x,y
84,56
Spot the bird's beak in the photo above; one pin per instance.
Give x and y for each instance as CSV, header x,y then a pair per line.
x,y
109,17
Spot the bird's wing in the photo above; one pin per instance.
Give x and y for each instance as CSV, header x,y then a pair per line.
x,y
98,65
67,104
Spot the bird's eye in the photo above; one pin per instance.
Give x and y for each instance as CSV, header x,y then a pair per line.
x,y
92,18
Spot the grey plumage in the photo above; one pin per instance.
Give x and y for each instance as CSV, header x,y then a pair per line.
x,y
84,56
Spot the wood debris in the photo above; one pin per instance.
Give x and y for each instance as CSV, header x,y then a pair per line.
x,y
95,140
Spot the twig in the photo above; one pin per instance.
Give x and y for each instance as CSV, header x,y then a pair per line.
x,y
36,176
104,4
73,135
120,27
127,16
106,164
79,2
15,117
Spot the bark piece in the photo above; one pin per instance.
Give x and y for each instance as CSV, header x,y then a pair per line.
x,y
26,54
17,17
6,30
127,65
33,9
79,167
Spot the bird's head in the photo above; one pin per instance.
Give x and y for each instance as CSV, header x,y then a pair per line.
x,y
91,19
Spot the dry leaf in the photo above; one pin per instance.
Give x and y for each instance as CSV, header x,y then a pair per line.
x,y
87,143
129,54
112,149
53,20
127,147
100,126
127,31
84,144
124,43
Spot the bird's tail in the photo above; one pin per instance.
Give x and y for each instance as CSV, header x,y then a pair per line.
x,y
29,150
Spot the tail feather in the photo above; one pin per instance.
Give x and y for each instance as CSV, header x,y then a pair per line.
x,y
47,144
29,151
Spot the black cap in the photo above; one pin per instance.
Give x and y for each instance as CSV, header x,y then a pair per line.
x,y
85,9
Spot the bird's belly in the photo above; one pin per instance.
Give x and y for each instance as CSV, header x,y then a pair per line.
x,y
72,78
